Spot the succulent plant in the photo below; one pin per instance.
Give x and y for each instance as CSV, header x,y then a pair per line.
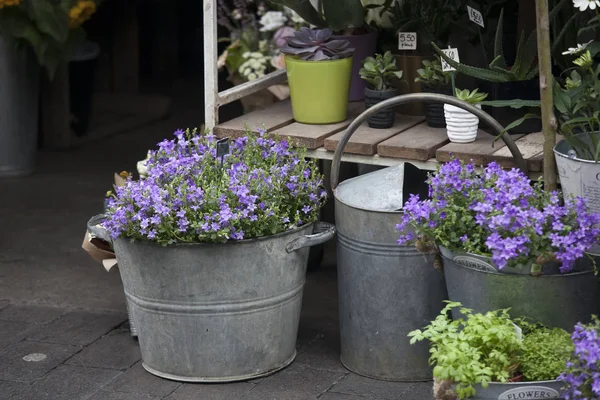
x,y
381,72
316,45
432,75
472,97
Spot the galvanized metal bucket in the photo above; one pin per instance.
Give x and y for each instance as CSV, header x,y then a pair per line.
x,y
579,177
19,103
218,312
541,390
553,300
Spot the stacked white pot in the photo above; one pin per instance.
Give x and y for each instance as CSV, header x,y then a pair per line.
x,y
461,125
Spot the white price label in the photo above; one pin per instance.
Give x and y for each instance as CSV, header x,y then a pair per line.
x,y
476,16
407,41
453,55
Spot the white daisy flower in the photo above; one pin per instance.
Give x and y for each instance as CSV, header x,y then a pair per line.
x,y
576,50
584,4
272,20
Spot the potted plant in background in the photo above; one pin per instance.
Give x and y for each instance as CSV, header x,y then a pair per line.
x,y
346,19
505,243
212,247
33,34
582,376
434,80
383,78
318,69
461,125
489,356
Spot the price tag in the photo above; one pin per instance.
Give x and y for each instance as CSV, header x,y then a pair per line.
x,y
453,55
407,40
476,16
222,147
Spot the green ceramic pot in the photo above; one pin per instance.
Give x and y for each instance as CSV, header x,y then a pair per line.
x,y
319,89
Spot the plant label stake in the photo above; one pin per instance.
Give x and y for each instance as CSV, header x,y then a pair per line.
x,y
452,53
407,40
476,17
222,150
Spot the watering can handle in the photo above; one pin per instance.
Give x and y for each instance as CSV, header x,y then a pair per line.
x,y
323,231
94,226
421,97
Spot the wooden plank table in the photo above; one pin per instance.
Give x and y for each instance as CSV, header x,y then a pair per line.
x,y
409,140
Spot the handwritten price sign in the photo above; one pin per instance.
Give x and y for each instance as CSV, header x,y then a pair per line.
x,y
475,16
453,55
407,41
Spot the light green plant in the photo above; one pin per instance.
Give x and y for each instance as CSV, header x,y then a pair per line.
x,y
381,72
477,349
545,353
472,97
432,75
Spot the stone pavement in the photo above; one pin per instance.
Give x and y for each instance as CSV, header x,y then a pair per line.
x,y
63,328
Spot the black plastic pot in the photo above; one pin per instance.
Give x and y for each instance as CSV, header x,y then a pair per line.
x,y
434,112
81,81
383,119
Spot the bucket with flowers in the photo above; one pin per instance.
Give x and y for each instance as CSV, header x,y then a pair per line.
x,y
212,247
506,243
33,34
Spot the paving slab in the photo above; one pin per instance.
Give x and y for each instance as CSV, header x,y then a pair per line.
x,y
70,383
79,328
119,351
31,313
340,396
419,391
13,332
296,382
42,357
104,395
230,391
323,353
10,390
137,380
360,386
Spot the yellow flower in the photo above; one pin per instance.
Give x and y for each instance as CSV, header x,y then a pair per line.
x,y
9,3
81,12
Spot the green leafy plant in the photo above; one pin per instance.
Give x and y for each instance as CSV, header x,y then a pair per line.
x,y
472,97
477,349
432,75
338,15
51,29
523,69
381,72
545,353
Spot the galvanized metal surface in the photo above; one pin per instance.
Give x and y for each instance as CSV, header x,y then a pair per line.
x,y
217,312
19,103
385,290
422,97
554,300
541,390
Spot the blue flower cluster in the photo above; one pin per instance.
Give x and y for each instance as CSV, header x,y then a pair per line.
x,y
582,377
190,195
499,213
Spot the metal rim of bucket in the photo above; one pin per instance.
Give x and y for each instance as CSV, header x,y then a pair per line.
x,y
422,97
559,153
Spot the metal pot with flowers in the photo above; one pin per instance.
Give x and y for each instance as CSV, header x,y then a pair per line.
x,y
489,356
507,243
434,80
384,79
212,247
461,125
318,70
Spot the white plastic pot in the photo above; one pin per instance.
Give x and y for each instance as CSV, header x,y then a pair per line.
x,y
461,125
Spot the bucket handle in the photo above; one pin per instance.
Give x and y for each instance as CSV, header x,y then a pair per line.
x,y
421,97
94,226
323,232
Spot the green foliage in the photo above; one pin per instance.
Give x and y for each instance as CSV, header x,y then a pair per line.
x,y
524,68
472,97
432,75
381,72
337,15
45,27
545,353
477,349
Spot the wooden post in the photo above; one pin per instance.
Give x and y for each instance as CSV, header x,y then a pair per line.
x,y
56,115
549,124
125,61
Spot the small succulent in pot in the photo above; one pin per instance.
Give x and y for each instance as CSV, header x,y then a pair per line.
x,y
383,81
462,125
434,80
319,71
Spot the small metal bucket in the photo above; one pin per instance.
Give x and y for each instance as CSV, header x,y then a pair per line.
x,y
218,312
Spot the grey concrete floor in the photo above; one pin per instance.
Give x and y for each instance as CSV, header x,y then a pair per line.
x,y
63,329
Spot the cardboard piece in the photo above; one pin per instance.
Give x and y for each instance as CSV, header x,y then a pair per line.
x,y
99,250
